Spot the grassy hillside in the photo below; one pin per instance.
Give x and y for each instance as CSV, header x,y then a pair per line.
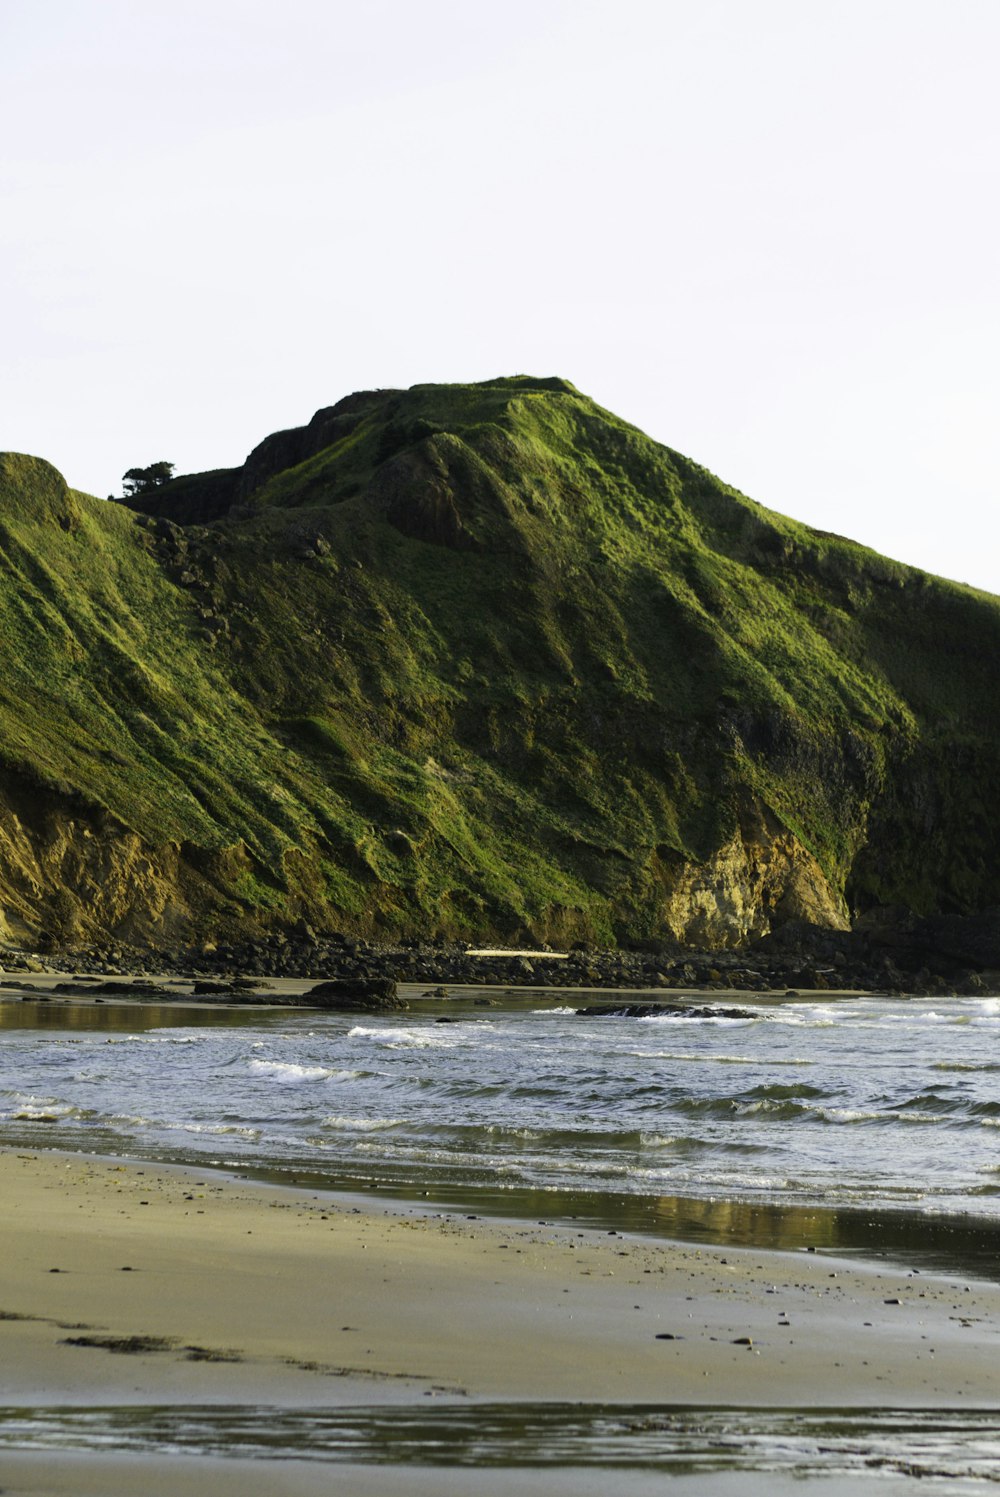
x,y
481,661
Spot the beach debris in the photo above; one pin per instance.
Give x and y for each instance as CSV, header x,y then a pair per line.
x,y
129,1346
136,1346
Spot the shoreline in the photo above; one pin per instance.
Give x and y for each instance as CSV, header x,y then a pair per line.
x,y
892,954
958,1243
70,987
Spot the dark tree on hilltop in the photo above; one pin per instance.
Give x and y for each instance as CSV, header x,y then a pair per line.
x,y
139,480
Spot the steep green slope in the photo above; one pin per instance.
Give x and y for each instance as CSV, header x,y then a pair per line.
x,y
481,661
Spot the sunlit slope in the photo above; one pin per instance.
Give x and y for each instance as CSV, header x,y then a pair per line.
x,y
483,661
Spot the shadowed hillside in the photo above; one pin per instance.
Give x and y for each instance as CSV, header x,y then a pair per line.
x,y
477,661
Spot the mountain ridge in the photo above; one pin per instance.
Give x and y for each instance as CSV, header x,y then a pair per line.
x,y
481,662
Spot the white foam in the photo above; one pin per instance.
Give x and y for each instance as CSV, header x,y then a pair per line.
x,y
403,1039
800,1021
758,1062
166,1036
57,1113
848,1115
360,1125
958,1065
288,1072
693,1019
156,1037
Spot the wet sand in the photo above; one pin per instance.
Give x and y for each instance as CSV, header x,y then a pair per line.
x,y
260,1295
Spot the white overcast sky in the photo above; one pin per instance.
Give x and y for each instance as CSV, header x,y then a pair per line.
x,y
765,231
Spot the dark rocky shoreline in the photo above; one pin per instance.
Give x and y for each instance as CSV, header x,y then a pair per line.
x,y
889,951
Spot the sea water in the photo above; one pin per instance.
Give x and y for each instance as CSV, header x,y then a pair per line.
x,y
600,1447
874,1119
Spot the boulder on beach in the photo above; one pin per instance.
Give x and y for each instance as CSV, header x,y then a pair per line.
x,y
361,994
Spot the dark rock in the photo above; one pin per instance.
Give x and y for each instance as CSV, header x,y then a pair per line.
x,y
362,994
663,1011
143,990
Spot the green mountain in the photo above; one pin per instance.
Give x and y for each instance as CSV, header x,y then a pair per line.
x,y
484,662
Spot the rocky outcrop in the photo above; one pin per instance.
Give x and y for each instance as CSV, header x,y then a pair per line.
x,y
416,497
663,1011
69,873
367,995
760,878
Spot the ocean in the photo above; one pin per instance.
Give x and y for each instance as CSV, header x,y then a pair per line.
x,y
863,1124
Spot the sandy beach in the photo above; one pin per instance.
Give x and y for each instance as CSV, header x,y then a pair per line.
x,y
148,1285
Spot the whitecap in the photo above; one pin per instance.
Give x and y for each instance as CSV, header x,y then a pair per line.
x,y
288,1072
794,1023
403,1039
848,1115
175,1039
693,1019
756,1061
959,1065
57,1112
359,1125
156,1038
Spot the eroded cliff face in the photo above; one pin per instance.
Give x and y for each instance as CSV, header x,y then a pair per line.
x,y
68,876
760,879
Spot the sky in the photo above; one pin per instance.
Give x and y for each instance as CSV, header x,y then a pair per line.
x,y
764,231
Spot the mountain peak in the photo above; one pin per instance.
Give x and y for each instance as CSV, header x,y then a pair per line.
x,y
483,661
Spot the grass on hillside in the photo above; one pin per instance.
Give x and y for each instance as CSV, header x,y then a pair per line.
x,y
521,725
